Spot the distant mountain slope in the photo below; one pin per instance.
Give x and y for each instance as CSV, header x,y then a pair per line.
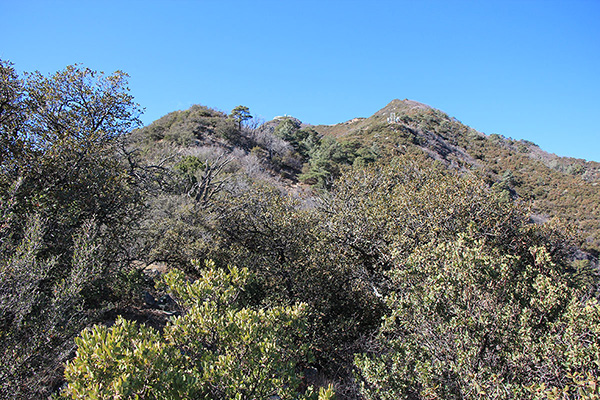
x,y
562,187
294,155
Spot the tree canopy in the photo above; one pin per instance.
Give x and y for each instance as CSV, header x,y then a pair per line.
x,y
240,114
68,204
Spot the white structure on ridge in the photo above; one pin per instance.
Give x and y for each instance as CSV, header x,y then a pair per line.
x,y
393,119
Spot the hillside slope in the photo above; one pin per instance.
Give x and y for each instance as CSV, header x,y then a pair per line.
x,y
294,156
562,187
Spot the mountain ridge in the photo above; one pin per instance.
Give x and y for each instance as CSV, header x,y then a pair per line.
x,y
292,152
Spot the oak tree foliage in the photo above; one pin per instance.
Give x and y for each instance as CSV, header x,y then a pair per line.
x,y
67,208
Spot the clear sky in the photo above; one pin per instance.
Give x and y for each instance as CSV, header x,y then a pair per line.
x,y
522,69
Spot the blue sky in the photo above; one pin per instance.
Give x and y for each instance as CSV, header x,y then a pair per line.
x,y
522,69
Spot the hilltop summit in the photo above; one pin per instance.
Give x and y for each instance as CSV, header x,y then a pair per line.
x,y
402,106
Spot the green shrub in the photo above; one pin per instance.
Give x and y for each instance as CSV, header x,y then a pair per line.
x,y
217,349
470,320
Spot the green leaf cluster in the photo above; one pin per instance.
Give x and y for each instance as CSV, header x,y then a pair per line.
x,y
216,349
